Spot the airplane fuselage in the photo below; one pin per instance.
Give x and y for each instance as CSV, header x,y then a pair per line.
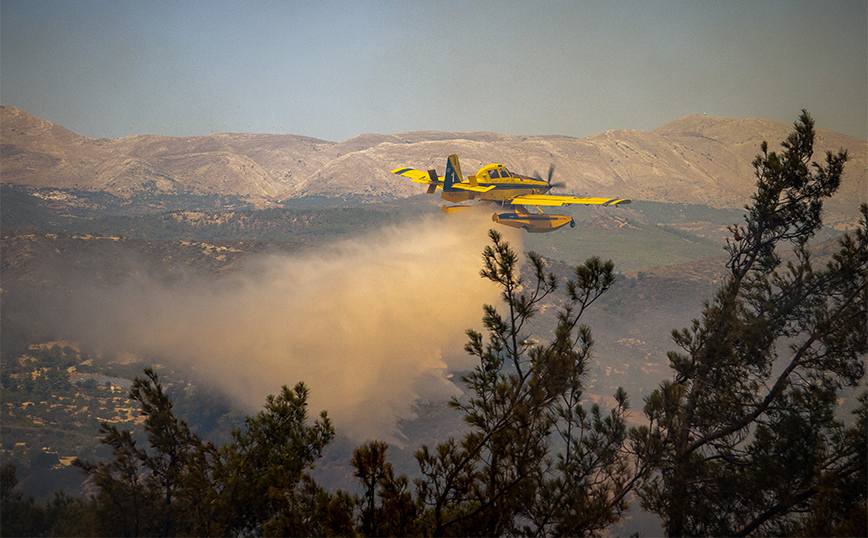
x,y
504,186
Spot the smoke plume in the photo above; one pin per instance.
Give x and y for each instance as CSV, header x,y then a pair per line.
x,y
371,325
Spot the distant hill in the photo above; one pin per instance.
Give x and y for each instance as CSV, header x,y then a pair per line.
x,y
37,153
697,159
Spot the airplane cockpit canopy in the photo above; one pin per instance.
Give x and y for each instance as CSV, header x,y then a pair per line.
x,y
496,171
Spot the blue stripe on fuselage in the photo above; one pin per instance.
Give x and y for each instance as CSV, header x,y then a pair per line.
x,y
513,185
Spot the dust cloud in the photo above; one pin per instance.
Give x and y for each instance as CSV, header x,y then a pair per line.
x,y
372,326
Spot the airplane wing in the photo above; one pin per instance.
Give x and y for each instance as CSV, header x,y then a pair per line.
x,y
553,200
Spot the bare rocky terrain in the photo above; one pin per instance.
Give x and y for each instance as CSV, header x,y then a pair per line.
x,y
695,160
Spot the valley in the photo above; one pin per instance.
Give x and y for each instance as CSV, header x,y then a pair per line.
x,y
665,271
83,218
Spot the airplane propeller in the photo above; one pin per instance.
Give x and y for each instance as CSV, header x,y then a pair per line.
x,y
548,180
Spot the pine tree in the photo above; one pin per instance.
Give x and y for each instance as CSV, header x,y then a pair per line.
x,y
137,489
397,510
264,468
505,476
179,485
748,424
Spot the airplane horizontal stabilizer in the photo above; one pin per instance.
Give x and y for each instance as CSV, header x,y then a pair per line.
x,y
417,176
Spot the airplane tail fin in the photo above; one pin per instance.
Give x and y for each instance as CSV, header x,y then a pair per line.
x,y
453,172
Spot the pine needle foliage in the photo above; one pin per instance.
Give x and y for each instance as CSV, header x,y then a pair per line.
x,y
748,424
535,461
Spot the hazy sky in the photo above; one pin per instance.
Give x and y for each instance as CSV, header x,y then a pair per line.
x,y
336,69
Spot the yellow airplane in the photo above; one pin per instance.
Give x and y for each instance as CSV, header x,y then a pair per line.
x,y
493,183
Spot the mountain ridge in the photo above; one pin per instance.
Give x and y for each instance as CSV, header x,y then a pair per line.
x,y
694,159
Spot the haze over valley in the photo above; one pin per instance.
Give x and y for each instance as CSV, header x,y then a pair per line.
x,y
240,262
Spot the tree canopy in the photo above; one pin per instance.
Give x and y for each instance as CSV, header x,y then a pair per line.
x,y
751,437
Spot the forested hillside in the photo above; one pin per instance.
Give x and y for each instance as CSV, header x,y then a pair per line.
x,y
555,414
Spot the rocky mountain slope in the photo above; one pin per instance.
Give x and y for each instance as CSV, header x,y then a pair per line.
x,y
696,159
